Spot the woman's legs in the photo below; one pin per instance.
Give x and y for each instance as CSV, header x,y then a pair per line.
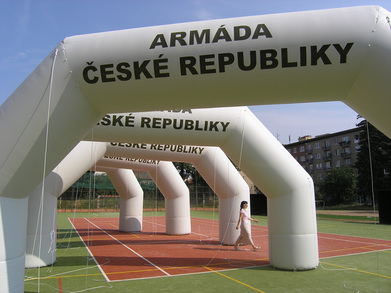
x,y
238,241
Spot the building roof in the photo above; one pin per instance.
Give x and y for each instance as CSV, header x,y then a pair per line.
x,y
323,136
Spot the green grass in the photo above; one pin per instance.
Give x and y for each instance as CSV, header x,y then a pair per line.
x,y
369,272
349,218
352,207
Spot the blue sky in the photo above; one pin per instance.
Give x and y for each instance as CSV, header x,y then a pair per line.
x,y
30,29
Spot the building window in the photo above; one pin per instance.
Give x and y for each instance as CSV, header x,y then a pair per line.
x,y
348,162
317,145
318,156
302,158
289,151
338,164
302,148
336,141
327,143
356,138
328,165
345,138
309,147
319,166
294,150
337,153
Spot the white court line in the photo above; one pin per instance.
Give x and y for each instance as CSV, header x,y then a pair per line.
x,y
192,232
97,264
356,241
354,254
361,237
127,247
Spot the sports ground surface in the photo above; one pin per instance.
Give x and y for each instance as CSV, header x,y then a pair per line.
x,y
93,255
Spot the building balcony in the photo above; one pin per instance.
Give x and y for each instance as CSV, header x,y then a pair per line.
x,y
327,158
326,147
344,143
346,155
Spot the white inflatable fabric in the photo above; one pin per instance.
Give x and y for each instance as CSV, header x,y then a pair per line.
x,y
169,182
283,58
13,213
131,198
246,141
319,56
42,228
213,165
211,162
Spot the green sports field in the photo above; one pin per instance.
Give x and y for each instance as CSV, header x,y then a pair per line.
x,y
76,271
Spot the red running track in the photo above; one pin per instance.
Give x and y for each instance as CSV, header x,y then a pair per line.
x,y
152,253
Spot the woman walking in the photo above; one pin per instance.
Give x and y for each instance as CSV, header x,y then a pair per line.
x,y
245,227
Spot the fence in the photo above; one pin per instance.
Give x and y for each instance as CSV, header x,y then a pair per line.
x,y
201,198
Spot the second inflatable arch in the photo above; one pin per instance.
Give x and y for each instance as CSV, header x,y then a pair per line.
x,y
293,242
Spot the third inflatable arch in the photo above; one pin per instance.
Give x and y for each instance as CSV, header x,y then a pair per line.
x,y
214,167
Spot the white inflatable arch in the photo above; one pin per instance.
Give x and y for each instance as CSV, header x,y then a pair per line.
x,y
42,208
131,198
212,164
292,231
282,58
42,203
171,185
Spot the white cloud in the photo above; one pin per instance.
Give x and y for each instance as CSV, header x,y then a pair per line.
x,y
203,14
203,9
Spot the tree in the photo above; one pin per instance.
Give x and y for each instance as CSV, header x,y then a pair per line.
x,y
190,174
378,158
200,192
89,184
339,186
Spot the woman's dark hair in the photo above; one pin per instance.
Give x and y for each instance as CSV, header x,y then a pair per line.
x,y
242,204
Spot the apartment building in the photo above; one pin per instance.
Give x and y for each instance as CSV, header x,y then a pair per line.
x,y
320,154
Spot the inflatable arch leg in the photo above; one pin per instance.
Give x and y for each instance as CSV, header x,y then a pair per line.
x,y
230,187
41,235
217,170
13,226
131,198
174,190
293,241
177,198
41,244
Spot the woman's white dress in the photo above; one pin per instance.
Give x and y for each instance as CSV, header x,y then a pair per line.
x,y
245,229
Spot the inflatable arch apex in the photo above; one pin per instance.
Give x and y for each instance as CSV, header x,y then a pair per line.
x,y
319,55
